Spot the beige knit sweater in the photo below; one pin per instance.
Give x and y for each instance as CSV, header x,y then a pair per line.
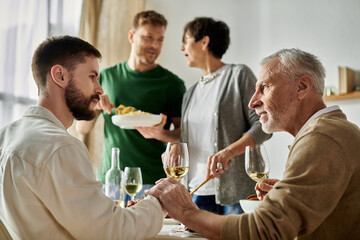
x,y
319,196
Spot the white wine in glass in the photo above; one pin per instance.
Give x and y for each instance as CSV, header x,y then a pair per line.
x,y
257,164
176,160
132,181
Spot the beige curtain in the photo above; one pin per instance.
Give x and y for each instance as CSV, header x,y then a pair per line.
x,y
105,24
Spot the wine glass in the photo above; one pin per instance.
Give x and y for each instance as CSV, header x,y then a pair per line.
x,y
176,160
257,164
132,181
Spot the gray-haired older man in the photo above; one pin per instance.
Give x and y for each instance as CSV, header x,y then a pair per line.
x,y
318,195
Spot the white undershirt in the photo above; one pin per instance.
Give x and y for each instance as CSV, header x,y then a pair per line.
x,y
201,130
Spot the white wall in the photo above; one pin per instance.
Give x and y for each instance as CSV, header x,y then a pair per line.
x,y
258,28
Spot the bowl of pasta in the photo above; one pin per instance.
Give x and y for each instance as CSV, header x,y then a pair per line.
x,y
250,203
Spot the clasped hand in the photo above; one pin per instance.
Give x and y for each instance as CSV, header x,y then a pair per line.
x,y
174,197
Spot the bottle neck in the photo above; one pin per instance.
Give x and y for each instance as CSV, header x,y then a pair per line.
x,y
115,158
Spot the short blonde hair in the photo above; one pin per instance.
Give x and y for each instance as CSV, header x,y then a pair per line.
x,y
149,17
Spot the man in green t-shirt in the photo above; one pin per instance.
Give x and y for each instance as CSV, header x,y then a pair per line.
x,y
141,83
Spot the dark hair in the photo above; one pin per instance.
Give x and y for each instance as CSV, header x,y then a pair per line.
x,y
217,31
149,17
66,51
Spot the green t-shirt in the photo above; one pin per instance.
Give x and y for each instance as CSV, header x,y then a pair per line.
x,y
155,91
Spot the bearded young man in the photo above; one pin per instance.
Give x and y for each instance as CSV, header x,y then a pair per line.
x,y
142,83
47,186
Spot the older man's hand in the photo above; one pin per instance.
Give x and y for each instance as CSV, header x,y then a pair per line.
x,y
173,196
263,187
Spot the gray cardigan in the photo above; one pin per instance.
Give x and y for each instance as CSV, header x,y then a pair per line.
x,y
232,119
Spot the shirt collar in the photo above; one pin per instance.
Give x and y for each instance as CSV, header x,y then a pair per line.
x,y
41,112
317,114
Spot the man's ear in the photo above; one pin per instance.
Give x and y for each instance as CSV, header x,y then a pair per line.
x,y
304,86
57,75
131,36
205,42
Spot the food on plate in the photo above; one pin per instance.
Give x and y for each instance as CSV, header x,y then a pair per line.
x,y
123,110
252,197
128,117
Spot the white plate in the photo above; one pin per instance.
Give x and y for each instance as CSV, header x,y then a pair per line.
x,y
131,121
249,205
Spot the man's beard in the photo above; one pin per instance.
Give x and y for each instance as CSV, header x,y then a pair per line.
x,y
142,54
277,118
269,126
78,103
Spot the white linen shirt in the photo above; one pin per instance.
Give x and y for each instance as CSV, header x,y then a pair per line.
x,y
48,189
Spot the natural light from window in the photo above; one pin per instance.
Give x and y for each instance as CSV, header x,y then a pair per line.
x,y
24,25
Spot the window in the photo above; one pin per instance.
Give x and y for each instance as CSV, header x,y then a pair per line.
x,y
24,25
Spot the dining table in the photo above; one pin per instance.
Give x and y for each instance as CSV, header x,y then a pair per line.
x,y
173,229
